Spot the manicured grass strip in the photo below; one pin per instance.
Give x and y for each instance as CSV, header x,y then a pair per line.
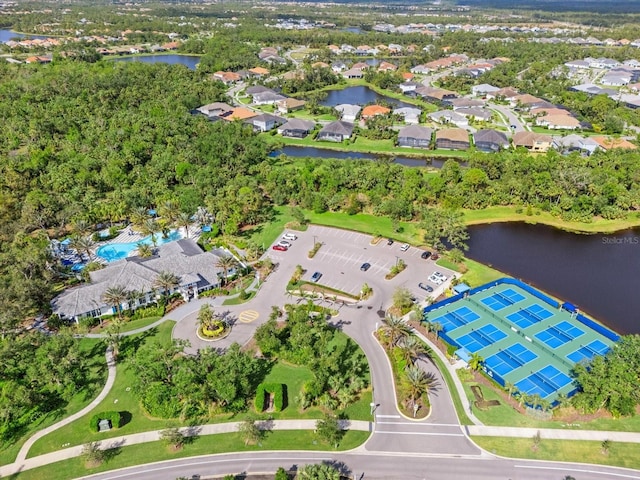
x,y
96,375
508,214
130,325
620,454
209,444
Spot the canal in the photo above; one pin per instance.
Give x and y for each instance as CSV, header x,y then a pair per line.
x,y
359,96
598,273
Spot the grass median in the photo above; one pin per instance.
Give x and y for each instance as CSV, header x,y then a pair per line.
x,y
205,445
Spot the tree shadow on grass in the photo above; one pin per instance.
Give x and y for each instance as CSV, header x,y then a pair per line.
x,y
130,344
125,418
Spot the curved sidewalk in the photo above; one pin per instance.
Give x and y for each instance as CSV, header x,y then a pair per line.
x,y
153,436
111,378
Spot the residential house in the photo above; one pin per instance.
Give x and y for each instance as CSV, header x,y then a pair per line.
x,y
575,143
320,65
415,136
406,87
338,67
215,109
259,71
614,79
457,103
353,73
436,95
558,122
578,64
609,143
490,140
267,98
348,112
607,63
290,105
452,139
534,142
479,114
296,128
483,89
195,269
361,65
506,93
409,114
265,122
240,113
449,117
257,89
227,77
421,70
407,76
527,101
334,49
337,131
387,67
294,75
372,110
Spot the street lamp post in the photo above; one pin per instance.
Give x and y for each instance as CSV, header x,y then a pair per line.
x,y
373,407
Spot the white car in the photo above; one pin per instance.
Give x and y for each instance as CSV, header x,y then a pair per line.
x,y
284,243
289,236
440,275
404,247
436,280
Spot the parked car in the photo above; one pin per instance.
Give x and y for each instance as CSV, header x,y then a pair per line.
x,y
426,254
316,276
281,248
404,247
289,236
435,256
365,266
389,241
284,243
436,280
426,287
440,275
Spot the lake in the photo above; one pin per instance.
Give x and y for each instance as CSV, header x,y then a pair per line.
x,y
597,273
172,59
358,96
6,35
319,152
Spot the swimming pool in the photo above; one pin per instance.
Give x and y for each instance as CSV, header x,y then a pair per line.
x,y
117,251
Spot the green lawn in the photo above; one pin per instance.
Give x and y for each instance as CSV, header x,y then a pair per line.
x,y
266,233
130,325
124,400
96,377
620,454
508,214
118,398
205,445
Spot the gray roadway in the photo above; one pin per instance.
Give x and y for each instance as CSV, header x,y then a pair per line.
x,y
369,466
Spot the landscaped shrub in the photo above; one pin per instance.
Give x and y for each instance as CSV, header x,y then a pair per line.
x,y
278,390
113,417
146,312
243,294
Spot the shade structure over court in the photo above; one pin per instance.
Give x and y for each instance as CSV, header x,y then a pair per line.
x,y
524,337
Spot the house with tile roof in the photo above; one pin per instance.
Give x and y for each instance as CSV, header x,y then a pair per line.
x,y
415,136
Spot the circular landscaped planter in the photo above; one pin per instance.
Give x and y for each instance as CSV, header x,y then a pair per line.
x,y
213,335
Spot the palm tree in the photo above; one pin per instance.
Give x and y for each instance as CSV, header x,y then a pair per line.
x,y
139,216
115,296
150,227
206,316
184,220
144,250
226,263
203,217
436,327
509,387
166,281
169,211
412,349
82,245
418,383
114,339
82,227
402,298
475,362
395,329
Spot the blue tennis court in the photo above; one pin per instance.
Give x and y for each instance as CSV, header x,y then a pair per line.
x,y
530,315
457,318
478,339
544,382
588,351
500,300
510,358
557,335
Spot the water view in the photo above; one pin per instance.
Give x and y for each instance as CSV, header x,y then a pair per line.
x,y
598,273
6,35
319,152
117,251
359,96
172,59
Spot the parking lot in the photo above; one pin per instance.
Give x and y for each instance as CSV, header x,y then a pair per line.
x,y
342,254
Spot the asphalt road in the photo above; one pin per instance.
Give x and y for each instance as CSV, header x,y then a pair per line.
x,y
369,466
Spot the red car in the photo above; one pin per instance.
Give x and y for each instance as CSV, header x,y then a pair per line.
x,y
281,248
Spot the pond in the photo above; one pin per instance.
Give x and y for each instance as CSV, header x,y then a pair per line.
x,y
6,35
172,59
359,96
597,273
319,152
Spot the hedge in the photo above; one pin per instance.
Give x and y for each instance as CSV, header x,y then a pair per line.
x,y
113,417
278,390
